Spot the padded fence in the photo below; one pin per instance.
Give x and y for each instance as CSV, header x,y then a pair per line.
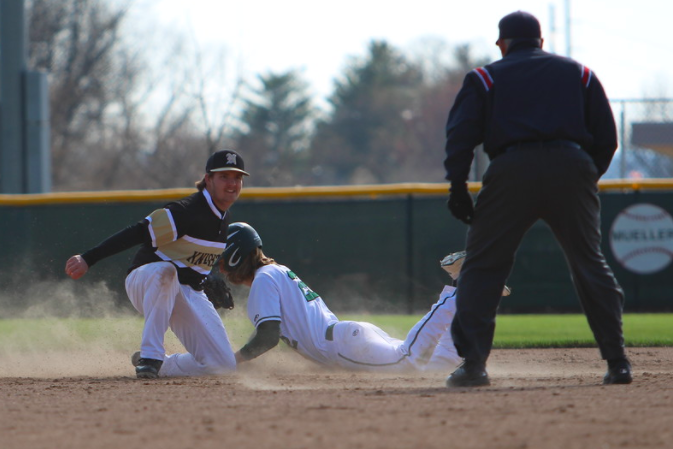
x,y
374,249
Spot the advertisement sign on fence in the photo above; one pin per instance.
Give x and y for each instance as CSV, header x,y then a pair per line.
x,y
641,238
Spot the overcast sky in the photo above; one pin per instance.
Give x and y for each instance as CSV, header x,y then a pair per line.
x,y
627,43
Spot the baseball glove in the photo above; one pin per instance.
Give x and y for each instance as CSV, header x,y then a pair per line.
x,y
454,262
217,291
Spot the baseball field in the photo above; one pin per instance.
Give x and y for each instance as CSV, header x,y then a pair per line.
x,y
68,383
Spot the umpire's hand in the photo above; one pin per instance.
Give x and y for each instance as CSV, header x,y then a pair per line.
x,y
460,202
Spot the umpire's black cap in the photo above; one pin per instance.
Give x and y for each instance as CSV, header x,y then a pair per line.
x,y
226,160
519,24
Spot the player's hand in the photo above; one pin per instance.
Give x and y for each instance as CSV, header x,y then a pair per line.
x,y
76,267
460,202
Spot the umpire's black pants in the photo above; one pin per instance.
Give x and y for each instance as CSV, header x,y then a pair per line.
x,y
555,183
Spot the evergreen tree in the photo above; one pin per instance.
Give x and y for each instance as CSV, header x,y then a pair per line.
x,y
364,140
276,128
388,118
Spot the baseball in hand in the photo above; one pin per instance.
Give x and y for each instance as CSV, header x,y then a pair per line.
x,y
76,267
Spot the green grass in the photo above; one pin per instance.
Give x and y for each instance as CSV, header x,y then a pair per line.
x,y
513,331
39,335
540,331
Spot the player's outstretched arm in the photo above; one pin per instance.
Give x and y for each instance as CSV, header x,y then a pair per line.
x,y
76,267
267,336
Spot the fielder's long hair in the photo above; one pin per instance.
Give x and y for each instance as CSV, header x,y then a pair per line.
x,y
201,184
246,271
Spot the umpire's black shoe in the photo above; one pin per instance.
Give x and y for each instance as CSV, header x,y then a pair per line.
x,y
469,374
146,368
619,372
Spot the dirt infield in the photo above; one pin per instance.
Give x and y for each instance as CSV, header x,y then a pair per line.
x,y
539,399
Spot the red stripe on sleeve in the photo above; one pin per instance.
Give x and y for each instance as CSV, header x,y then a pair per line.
x,y
586,76
485,77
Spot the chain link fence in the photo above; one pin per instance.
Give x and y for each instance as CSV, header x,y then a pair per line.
x,y
645,130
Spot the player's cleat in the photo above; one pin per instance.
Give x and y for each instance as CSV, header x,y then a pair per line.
x,y
453,263
469,374
619,372
146,368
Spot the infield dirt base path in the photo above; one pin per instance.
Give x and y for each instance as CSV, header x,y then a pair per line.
x,y
538,399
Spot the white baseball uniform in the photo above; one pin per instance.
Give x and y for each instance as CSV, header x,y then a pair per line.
x,y
308,326
179,245
154,290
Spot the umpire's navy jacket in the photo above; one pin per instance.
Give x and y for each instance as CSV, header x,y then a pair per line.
x,y
508,103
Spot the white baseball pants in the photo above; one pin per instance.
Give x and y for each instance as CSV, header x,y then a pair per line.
x,y
155,292
428,345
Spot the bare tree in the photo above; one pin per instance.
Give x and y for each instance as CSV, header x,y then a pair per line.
x,y
75,42
193,117
121,116
444,69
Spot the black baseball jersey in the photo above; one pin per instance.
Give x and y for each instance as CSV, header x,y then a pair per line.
x,y
190,233
528,96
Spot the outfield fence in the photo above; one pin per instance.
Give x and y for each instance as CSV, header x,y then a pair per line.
x,y
369,248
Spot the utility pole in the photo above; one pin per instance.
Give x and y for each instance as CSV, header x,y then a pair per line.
x,y
568,35
25,163
12,65
552,29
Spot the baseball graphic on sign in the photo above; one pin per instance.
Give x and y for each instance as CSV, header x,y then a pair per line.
x,y
641,238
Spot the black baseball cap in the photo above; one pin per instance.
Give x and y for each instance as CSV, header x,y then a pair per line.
x,y
519,25
226,160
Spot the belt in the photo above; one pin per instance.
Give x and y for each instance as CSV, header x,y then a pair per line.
x,y
542,143
329,332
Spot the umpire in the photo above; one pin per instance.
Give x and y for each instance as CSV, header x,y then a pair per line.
x,y
546,124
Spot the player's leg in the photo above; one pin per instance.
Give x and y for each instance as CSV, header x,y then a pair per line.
x,y
199,328
152,289
445,355
575,221
423,340
365,347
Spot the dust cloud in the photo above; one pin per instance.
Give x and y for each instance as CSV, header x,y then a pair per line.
x,y
68,328
62,328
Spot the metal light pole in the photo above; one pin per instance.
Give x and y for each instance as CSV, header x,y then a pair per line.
x,y
568,36
25,163
12,65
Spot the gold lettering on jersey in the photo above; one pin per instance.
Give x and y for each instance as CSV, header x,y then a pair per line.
x,y
199,258
192,253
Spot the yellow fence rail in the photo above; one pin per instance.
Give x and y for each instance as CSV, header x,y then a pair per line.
x,y
371,191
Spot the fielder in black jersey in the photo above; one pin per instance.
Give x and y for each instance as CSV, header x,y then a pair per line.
x,y
179,245
547,126
189,232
